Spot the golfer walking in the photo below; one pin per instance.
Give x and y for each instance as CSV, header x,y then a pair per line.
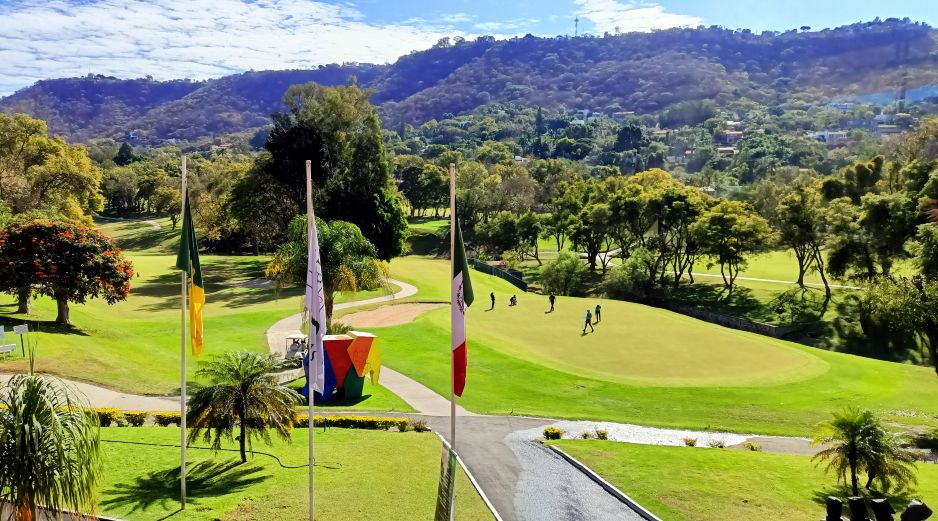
x,y
589,322
492,296
599,316
551,298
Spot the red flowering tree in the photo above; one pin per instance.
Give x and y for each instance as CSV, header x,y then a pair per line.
x,y
67,262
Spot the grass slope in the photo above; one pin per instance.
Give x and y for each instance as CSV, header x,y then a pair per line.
x,y
714,485
359,475
648,366
134,345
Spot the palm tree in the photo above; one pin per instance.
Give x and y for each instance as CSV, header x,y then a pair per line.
x,y
349,260
49,447
856,441
243,394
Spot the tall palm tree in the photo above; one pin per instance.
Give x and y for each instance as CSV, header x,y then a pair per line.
x,y
243,395
49,447
856,441
349,260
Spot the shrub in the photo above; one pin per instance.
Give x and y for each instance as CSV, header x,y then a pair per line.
x,y
586,435
107,416
602,434
753,446
338,328
403,424
563,275
717,444
690,442
631,279
301,421
420,426
167,418
350,422
552,433
136,418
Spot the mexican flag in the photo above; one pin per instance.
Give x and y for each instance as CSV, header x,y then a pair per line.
x,y
188,261
461,299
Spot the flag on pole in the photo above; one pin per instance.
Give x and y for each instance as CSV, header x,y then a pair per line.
x,y
461,299
188,261
315,303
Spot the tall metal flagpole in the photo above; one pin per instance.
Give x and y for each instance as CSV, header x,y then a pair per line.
x,y
452,269
310,222
182,398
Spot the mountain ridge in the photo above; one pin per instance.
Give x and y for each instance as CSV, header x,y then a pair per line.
x,y
637,72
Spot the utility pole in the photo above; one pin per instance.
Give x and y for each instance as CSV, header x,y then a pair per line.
x,y
576,26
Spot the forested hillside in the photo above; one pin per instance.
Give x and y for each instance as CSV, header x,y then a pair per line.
x,y
640,72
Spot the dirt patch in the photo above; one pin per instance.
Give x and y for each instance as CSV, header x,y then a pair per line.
x,y
393,315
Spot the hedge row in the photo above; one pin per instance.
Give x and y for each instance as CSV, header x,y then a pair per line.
x,y
110,416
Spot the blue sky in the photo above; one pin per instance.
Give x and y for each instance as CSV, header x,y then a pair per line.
x,y
209,38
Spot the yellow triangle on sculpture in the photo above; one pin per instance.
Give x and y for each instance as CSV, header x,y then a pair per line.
x,y
373,363
359,350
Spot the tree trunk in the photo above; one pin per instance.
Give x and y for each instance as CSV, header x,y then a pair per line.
x,y
242,440
853,478
63,312
330,298
24,301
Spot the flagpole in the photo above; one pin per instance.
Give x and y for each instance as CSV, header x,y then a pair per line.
x,y
182,398
452,269
310,222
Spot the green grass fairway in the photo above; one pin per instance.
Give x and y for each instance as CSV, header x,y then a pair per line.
x,y
359,475
649,366
697,484
432,278
134,345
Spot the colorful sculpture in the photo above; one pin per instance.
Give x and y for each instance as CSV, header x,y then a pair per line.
x,y
349,358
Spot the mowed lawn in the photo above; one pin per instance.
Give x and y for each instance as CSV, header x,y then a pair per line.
x,y
702,484
645,365
134,345
360,474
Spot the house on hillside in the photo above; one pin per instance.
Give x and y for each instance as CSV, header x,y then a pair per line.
x,y
620,117
726,151
831,138
728,138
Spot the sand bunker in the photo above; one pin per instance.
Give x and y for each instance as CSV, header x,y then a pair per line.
x,y
393,315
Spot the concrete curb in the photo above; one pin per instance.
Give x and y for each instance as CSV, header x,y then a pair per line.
x,y
472,480
609,487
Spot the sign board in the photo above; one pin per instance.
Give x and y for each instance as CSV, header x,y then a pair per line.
x,y
21,330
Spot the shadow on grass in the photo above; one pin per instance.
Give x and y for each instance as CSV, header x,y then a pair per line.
x,y
161,488
898,499
338,403
10,319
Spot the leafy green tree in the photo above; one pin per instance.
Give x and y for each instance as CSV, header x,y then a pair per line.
x,y
259,206
802,226
67,262
125,155
349,261
855,442
243,395
564,275
499,234
339,131
167,203
730,231
530,228
907,304
927,254
540,147
50,452
866,241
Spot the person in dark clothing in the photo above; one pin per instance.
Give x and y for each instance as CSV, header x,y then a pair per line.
x,y
492,296
589,322
599,310
551,298
513,301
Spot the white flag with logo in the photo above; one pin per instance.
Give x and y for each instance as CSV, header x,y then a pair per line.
x,y
315,303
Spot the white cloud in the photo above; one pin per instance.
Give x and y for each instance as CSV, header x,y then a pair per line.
x,y
193,38
608,15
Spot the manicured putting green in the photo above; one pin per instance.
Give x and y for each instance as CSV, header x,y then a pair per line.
x,y
634,343
702,484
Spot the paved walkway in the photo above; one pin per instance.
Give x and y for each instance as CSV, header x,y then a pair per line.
x,y
103,397
814,284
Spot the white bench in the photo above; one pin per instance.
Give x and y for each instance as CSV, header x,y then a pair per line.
x,y
7,349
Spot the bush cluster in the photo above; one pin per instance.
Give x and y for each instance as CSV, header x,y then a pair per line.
x,y
167,418
107,416
690,442
357,422
753,446
602,434
552,433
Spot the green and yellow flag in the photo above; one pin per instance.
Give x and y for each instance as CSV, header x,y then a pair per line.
x,y
188,260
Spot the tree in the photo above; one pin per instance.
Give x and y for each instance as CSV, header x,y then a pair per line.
x,y
729,232
856,442
125,155
166,203
802,225
67,262
50,454
563,275
907,304
540,147
499,234
530,228
349,261
243,394
338,130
